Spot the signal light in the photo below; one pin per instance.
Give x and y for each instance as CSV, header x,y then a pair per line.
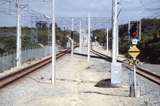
x,y
134,34
133,31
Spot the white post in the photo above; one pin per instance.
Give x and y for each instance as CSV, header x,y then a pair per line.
x,y
53,42
117,42
48,33
72,33
129,26
107,41
18,57
140,28
72,48
72,28
72,45
89,35
114,31
115,71
80,37
135,86
72,24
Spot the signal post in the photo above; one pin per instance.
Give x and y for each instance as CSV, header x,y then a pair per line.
x,y
133,52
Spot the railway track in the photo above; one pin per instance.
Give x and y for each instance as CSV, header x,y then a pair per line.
x,y
7,79
145,73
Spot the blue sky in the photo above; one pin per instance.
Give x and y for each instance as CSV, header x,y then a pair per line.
x,y
130,9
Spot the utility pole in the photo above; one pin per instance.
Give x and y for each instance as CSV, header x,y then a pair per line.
x,y
140,30
72,28
80,37
72,24
18,44
117,42
72,46
89,36
53,42
107,41
115,66
129,26
48,33
114,30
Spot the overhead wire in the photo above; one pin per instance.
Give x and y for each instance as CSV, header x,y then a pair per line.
x,y
151,10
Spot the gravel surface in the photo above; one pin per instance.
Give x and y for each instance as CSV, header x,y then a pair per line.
x,y
149,91
78,83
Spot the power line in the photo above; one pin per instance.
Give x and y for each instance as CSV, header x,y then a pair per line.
x,y
148,9
4,2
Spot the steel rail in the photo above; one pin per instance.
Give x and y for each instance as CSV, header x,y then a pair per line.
x,y
7,79
143,72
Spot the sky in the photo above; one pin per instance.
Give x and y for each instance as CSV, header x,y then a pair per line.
x,y
129,9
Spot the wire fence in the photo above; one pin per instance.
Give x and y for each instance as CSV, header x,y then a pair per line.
x,y
8,60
